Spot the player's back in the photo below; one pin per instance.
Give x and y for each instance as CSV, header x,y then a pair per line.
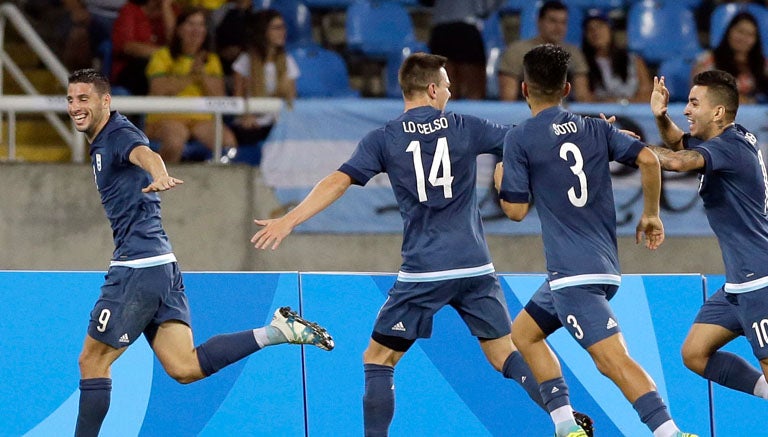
x,y
567,157
431,161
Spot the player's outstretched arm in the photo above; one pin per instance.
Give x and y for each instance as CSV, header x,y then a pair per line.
x,y
322,195
679,161
650,228
150,161
668,130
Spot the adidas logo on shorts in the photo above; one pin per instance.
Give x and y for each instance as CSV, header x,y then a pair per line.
x,y
399,327
124,338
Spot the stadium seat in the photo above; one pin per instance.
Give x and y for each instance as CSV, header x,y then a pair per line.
x,y
513,6
297,16
323,73
328,4
494,42
724,13
383,31
677,77
658,32
529,17
600,4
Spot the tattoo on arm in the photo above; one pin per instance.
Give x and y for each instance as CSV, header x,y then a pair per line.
x,y
680,160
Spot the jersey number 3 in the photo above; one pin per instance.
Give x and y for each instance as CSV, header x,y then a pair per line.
x,y
578,169
442,159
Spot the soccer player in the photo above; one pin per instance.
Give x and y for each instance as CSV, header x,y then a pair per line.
x,y
561,160
143,290
734,189
430,158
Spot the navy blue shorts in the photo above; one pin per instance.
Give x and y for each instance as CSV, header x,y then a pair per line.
x,y
583,309
718,311
135,301
409,310
743,313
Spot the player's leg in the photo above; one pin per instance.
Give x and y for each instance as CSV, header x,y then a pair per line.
x,y
173,344
586,314
95,362
530,329
751,311
404,317
109,333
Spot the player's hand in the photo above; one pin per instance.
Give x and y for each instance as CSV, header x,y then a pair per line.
x,y
659,97
272,233
651,229
162,183
612,119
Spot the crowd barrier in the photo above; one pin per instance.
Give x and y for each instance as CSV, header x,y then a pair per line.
x,y
444,385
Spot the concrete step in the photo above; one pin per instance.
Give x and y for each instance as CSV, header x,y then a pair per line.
x,y
38,152
43,80
32,129
22,55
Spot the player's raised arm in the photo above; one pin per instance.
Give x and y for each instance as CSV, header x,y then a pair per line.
x,y
670,133
150,161
327,191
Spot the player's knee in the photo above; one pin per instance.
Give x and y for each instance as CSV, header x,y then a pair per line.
x,y
694,358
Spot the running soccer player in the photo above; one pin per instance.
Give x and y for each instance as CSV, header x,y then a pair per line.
x,y
734,188
143,290
430,157
561,159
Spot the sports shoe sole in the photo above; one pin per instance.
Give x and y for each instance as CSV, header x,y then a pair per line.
x,y
323,338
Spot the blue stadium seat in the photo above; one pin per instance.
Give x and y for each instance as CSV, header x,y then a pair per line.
x,y
297,16
328,4
529,16
381,30
513,6
600,4
662,31
323,73
494,42
722,15
677,77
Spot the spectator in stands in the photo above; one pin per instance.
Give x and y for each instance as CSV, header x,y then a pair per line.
x,y
186,68
615,74
103,16
63,25
141,28
455,34
740,53
553,26
230,34
265,69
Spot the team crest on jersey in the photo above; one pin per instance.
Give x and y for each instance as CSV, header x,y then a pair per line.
x,y
98,161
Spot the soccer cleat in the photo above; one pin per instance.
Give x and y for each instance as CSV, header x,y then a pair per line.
x,y
685,434
574,431
300,331
585,422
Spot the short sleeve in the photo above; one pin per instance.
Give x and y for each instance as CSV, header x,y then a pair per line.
x,y
292,68
213,66
515,184
242,65
367,160
160,63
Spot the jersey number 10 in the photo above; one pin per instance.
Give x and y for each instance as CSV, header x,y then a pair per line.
x,y
442,159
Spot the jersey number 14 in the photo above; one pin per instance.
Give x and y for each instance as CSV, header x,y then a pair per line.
x,y
442,159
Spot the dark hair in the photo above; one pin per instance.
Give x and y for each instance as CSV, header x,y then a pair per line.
x,y
724,60
721,89
418,71
256,25
89,75
545,69
619,57
551,5
175,44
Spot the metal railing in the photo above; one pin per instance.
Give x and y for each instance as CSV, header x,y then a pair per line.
x,y
9,13
218,106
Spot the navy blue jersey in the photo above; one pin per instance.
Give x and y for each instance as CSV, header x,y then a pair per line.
x,y
561,160
134,216
734,188
431,160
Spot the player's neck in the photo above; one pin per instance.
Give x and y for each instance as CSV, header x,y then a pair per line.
x,y
540,105
418,102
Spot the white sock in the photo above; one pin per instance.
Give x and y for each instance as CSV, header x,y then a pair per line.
x,y
761,388
666,429
260,334
563,419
